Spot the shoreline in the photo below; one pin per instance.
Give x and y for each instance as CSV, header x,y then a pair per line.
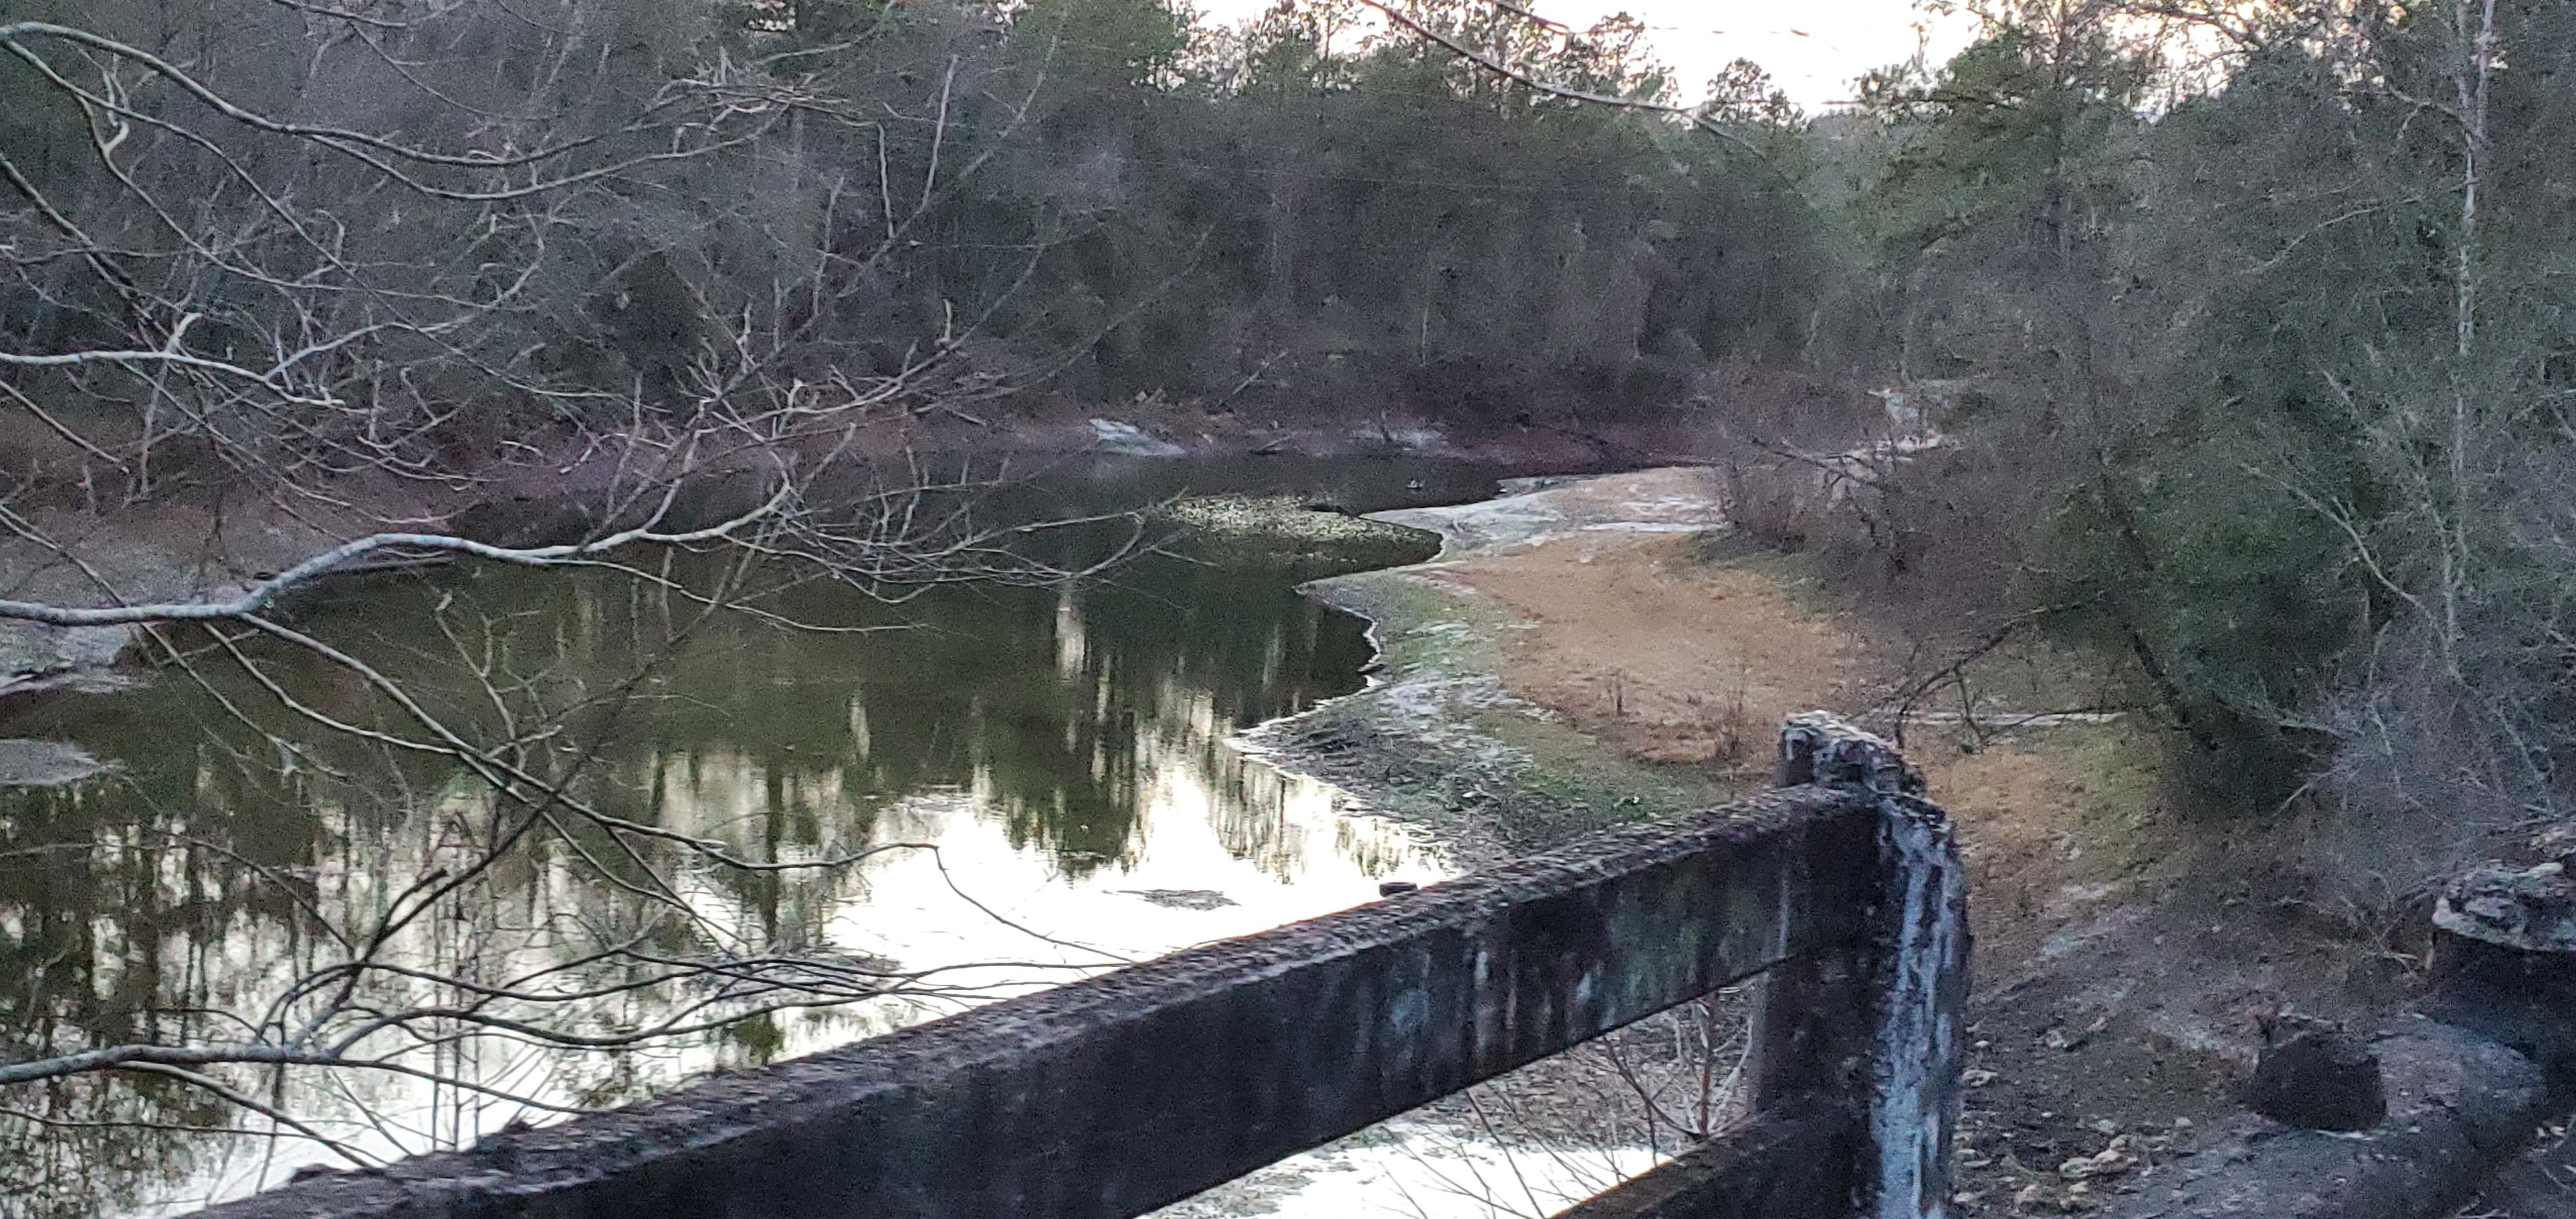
x,y
1436,739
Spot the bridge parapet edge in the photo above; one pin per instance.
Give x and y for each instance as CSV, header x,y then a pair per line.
x,y
1112,1096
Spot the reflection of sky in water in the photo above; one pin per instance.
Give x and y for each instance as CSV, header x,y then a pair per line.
x,y
1252,845
1292,851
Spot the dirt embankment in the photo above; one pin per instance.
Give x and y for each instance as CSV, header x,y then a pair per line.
x,y
1598,649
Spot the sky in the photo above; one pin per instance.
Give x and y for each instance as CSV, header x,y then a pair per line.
x,y
1813,47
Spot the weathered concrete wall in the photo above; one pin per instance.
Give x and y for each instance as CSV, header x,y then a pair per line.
x,y
1871,1034
1109,1097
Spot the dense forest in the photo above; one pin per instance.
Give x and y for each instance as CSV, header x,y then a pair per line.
x,y
686,201
2244,325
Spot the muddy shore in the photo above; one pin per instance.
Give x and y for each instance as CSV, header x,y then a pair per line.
x,y
1437,738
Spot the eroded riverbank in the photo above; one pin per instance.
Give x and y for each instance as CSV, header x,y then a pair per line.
x,y
1444,735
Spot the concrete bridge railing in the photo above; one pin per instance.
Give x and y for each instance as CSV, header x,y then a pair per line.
x,y
1113,1096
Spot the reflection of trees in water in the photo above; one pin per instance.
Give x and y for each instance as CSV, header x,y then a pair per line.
x,y
201,920
540,926
198,893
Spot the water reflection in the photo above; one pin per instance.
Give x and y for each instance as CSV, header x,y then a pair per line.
x,y
1043,774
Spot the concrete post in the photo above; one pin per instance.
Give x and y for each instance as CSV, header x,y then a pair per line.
x,y
1879,1020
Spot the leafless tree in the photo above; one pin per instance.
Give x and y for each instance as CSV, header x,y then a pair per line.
x,y
616,288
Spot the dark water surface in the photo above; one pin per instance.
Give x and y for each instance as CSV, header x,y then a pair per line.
x,y
1065,749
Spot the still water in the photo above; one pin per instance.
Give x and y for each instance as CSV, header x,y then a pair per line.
x,y
843,814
